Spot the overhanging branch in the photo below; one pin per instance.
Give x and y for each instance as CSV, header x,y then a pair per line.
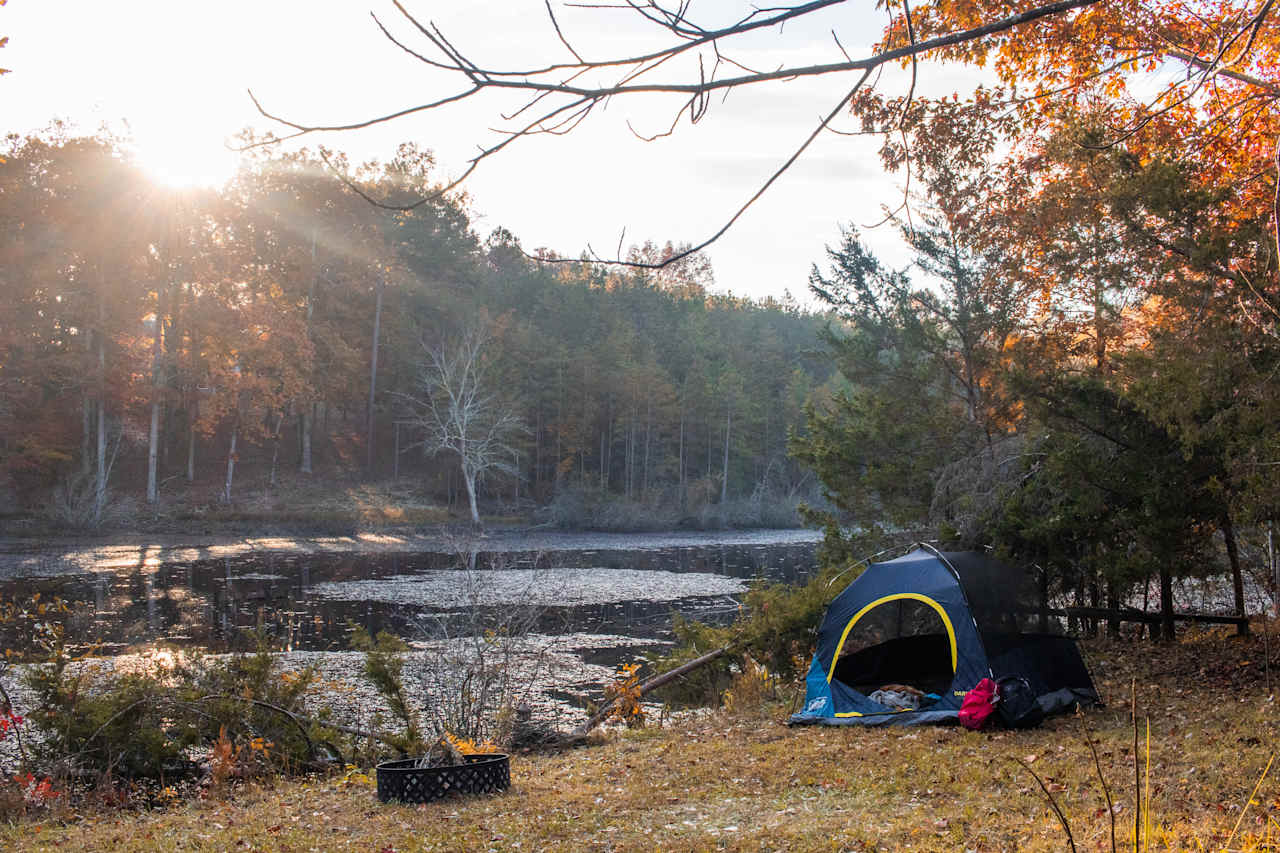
x,y
574,99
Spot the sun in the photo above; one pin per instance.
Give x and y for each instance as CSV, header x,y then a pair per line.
x,y
184,161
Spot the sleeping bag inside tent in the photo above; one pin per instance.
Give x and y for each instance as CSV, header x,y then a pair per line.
x,y
936,623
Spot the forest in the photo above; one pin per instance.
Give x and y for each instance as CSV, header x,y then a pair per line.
x,y
1075,369
184,351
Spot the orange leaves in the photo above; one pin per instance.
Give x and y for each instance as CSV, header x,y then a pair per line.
x,y
625,693
467,746
222,760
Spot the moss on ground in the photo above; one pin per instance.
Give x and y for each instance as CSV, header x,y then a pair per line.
x,y
742,780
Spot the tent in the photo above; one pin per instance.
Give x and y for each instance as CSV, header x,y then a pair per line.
x,y
939,622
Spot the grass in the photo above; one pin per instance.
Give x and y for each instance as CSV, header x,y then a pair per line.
x,y
741,780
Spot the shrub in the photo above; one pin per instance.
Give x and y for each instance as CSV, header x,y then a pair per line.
x,y
252,700
751,688
122,725
384,665
475,665
145,722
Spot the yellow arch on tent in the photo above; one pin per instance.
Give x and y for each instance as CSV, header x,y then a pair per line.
x,y
915,596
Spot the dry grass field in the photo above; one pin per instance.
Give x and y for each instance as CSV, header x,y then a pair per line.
x,y
739,779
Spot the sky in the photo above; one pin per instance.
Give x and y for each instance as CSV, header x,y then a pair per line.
x,y
177,74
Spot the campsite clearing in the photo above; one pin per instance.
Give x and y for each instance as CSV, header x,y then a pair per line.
x,y
744,781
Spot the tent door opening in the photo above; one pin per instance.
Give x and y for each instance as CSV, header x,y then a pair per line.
x,y
902,639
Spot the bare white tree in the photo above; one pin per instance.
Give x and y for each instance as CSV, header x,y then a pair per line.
x,y
459,411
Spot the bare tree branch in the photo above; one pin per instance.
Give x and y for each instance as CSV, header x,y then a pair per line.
x,y
560,33
576,97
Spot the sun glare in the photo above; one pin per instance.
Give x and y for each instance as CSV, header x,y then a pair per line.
x,y
185,162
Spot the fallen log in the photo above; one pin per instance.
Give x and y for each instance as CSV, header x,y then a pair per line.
x,y
652,684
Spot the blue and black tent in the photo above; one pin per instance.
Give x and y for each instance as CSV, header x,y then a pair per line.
x,y
938,622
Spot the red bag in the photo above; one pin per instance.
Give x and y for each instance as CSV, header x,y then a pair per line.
x,y
979,704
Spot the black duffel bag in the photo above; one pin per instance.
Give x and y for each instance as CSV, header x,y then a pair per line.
x,y
1018,708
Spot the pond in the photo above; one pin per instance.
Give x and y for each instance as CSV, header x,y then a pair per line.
x,y
619,586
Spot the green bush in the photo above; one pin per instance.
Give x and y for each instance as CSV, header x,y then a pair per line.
x,y
151,721
123,726
384,665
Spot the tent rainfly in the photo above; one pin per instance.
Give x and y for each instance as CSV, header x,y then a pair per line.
x,y
938,622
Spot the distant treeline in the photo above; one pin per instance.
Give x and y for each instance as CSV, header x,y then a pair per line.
x,y
209,344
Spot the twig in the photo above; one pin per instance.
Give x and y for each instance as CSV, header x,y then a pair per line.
x,y
560,33
1106,789
1066,827
677,256
1249,802
1137,779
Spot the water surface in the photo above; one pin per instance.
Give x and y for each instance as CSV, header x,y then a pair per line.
x,y
628,586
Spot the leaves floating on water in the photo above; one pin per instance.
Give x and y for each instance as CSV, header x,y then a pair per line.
x,y
448,590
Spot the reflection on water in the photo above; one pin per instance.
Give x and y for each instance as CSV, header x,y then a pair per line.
x,y
212,604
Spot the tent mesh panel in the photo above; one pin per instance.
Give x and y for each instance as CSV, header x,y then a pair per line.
x,y
1002,600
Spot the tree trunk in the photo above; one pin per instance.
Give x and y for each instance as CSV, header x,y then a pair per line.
x,y
373,373
469,479
1237,577
86,432
100,484
648,437
1274,565
684,493
711,447
305,466
231,460
537,454
555,484
173,337
631,452
728,427
308,407
1113,604
193,406
192,412
153,448
1044,601
167,299
1166,602
1095,601
153,437
275,451
653,684
1099,333
89,413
